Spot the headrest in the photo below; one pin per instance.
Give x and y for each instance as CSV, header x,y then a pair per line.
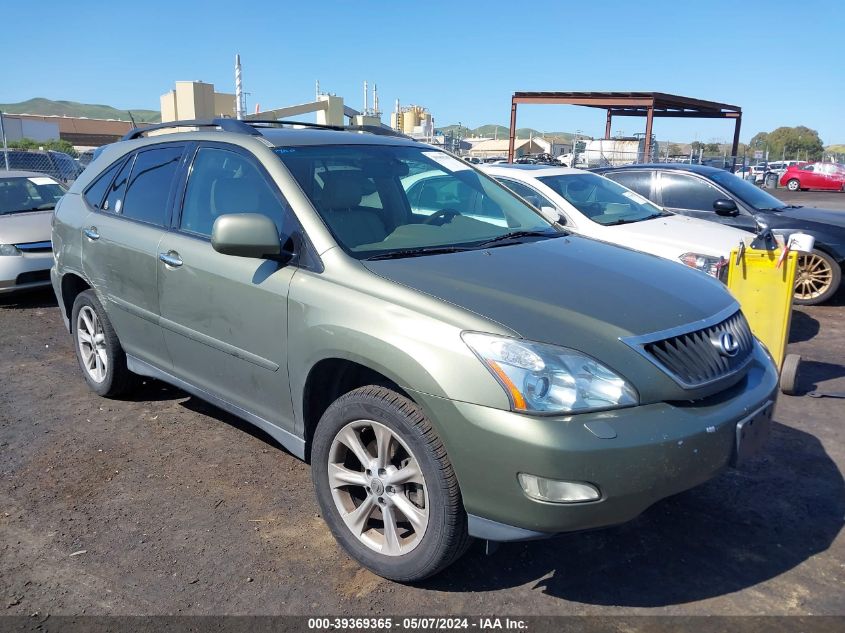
x,y
15,197
235,195
343,189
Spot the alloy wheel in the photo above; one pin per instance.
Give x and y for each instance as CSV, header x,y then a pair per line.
x,y
378,487
793,185
92,344
813,278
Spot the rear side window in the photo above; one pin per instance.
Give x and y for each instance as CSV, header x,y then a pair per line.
x,y
96,192
148,190
639,181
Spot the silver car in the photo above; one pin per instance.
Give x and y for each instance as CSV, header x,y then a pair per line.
x,y
27,200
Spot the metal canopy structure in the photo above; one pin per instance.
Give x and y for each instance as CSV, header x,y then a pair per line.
x,y
647,104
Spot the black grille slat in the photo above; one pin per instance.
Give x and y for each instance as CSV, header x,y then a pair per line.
x,y
695,359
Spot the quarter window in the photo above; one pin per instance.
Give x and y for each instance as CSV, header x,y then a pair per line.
x,y
685,192
148,190
222,182
96,192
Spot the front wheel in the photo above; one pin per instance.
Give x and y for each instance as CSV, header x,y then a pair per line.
x,y
386,487
817,278
793,185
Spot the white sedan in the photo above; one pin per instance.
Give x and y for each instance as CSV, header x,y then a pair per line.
x,y
597,207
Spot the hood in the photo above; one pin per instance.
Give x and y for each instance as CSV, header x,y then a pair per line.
x,y
570,291
812,214
22,228
672,236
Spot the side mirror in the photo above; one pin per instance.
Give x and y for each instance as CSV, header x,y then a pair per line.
x,y
246,235
552,215
725,207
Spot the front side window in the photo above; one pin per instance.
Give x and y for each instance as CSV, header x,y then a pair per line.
x,y
222,181
426,199
600,199
529,194
686,192
747,192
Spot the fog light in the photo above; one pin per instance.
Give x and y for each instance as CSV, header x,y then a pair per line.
x,y
555,491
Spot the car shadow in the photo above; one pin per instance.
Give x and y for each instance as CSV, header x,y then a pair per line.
x,y
27,299
736,531
812,373
802,327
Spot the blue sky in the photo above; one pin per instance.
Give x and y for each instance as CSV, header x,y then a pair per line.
x,y
461,59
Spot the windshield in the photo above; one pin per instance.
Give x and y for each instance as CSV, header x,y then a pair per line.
x,y
602,200
380,200
18,195
747,191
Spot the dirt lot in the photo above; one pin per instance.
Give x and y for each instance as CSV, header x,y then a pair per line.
x,y
161,504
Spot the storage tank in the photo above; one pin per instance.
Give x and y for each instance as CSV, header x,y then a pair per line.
x,y
618,151
410,119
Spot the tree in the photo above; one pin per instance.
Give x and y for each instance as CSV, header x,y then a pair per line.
x,y
675,149
712,148
56,145
790,142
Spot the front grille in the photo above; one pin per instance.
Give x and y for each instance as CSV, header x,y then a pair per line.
x,y
35,247
32,277
697,358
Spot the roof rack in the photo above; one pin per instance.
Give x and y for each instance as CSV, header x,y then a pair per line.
x,y
252,127
227,125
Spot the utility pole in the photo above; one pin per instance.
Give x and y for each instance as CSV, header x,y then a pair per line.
x,y
5,146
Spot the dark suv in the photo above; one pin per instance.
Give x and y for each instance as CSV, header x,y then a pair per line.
x,y
717,195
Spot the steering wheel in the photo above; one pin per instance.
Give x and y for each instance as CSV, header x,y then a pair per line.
x,y
593,209
445,215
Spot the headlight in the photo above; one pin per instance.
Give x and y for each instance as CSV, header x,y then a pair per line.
x,y
705,263
9,249
549,379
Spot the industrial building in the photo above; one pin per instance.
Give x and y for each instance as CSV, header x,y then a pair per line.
x,y
81,132
196,100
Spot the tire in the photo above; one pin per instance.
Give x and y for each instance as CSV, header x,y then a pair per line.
x,y
817,278
98,349
416,549
793,184
789,374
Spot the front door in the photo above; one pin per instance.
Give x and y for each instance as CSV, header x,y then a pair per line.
x,y
224,318
693,196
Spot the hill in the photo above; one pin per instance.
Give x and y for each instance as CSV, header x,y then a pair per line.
x,y
493,131
48,107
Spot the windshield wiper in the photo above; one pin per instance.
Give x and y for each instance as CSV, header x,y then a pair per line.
x,y
418,252
515,235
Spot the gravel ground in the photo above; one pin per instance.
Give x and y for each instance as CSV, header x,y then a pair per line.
x,y
162,504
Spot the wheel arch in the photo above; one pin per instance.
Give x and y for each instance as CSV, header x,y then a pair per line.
x,y
72,284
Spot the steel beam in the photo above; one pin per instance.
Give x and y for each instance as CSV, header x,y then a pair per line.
x,y
649,122
608,123
512,135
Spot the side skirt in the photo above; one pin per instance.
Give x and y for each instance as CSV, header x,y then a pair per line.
x,y
295,445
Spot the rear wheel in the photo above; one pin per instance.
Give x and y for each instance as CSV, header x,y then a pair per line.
x,y
98,349
817,278
385,485
793,184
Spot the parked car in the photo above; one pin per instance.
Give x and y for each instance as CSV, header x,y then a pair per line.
x,y
57,165
804,176
600,208
446,376
715,195
27,200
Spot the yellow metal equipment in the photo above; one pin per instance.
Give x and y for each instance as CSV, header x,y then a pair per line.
x,y
763,281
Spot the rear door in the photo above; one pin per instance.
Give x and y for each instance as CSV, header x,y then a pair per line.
x,y
694,196
224,318
120,246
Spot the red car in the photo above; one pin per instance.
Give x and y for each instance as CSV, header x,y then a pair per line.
x,y
805,176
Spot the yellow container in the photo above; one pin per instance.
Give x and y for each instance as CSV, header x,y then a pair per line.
x,y
765,291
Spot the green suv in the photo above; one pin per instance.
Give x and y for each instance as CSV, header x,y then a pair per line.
x,y
450,362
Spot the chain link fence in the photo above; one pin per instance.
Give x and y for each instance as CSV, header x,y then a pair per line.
x,y
57,165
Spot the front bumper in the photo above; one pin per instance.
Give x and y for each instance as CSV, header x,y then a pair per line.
x,y
23,272
658,450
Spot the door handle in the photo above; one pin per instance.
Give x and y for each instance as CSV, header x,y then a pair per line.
x,y
171,258
91,233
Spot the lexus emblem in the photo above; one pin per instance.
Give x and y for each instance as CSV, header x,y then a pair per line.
x,y
728,345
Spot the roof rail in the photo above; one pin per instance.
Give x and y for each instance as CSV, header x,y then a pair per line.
x,y
371,129
227,125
